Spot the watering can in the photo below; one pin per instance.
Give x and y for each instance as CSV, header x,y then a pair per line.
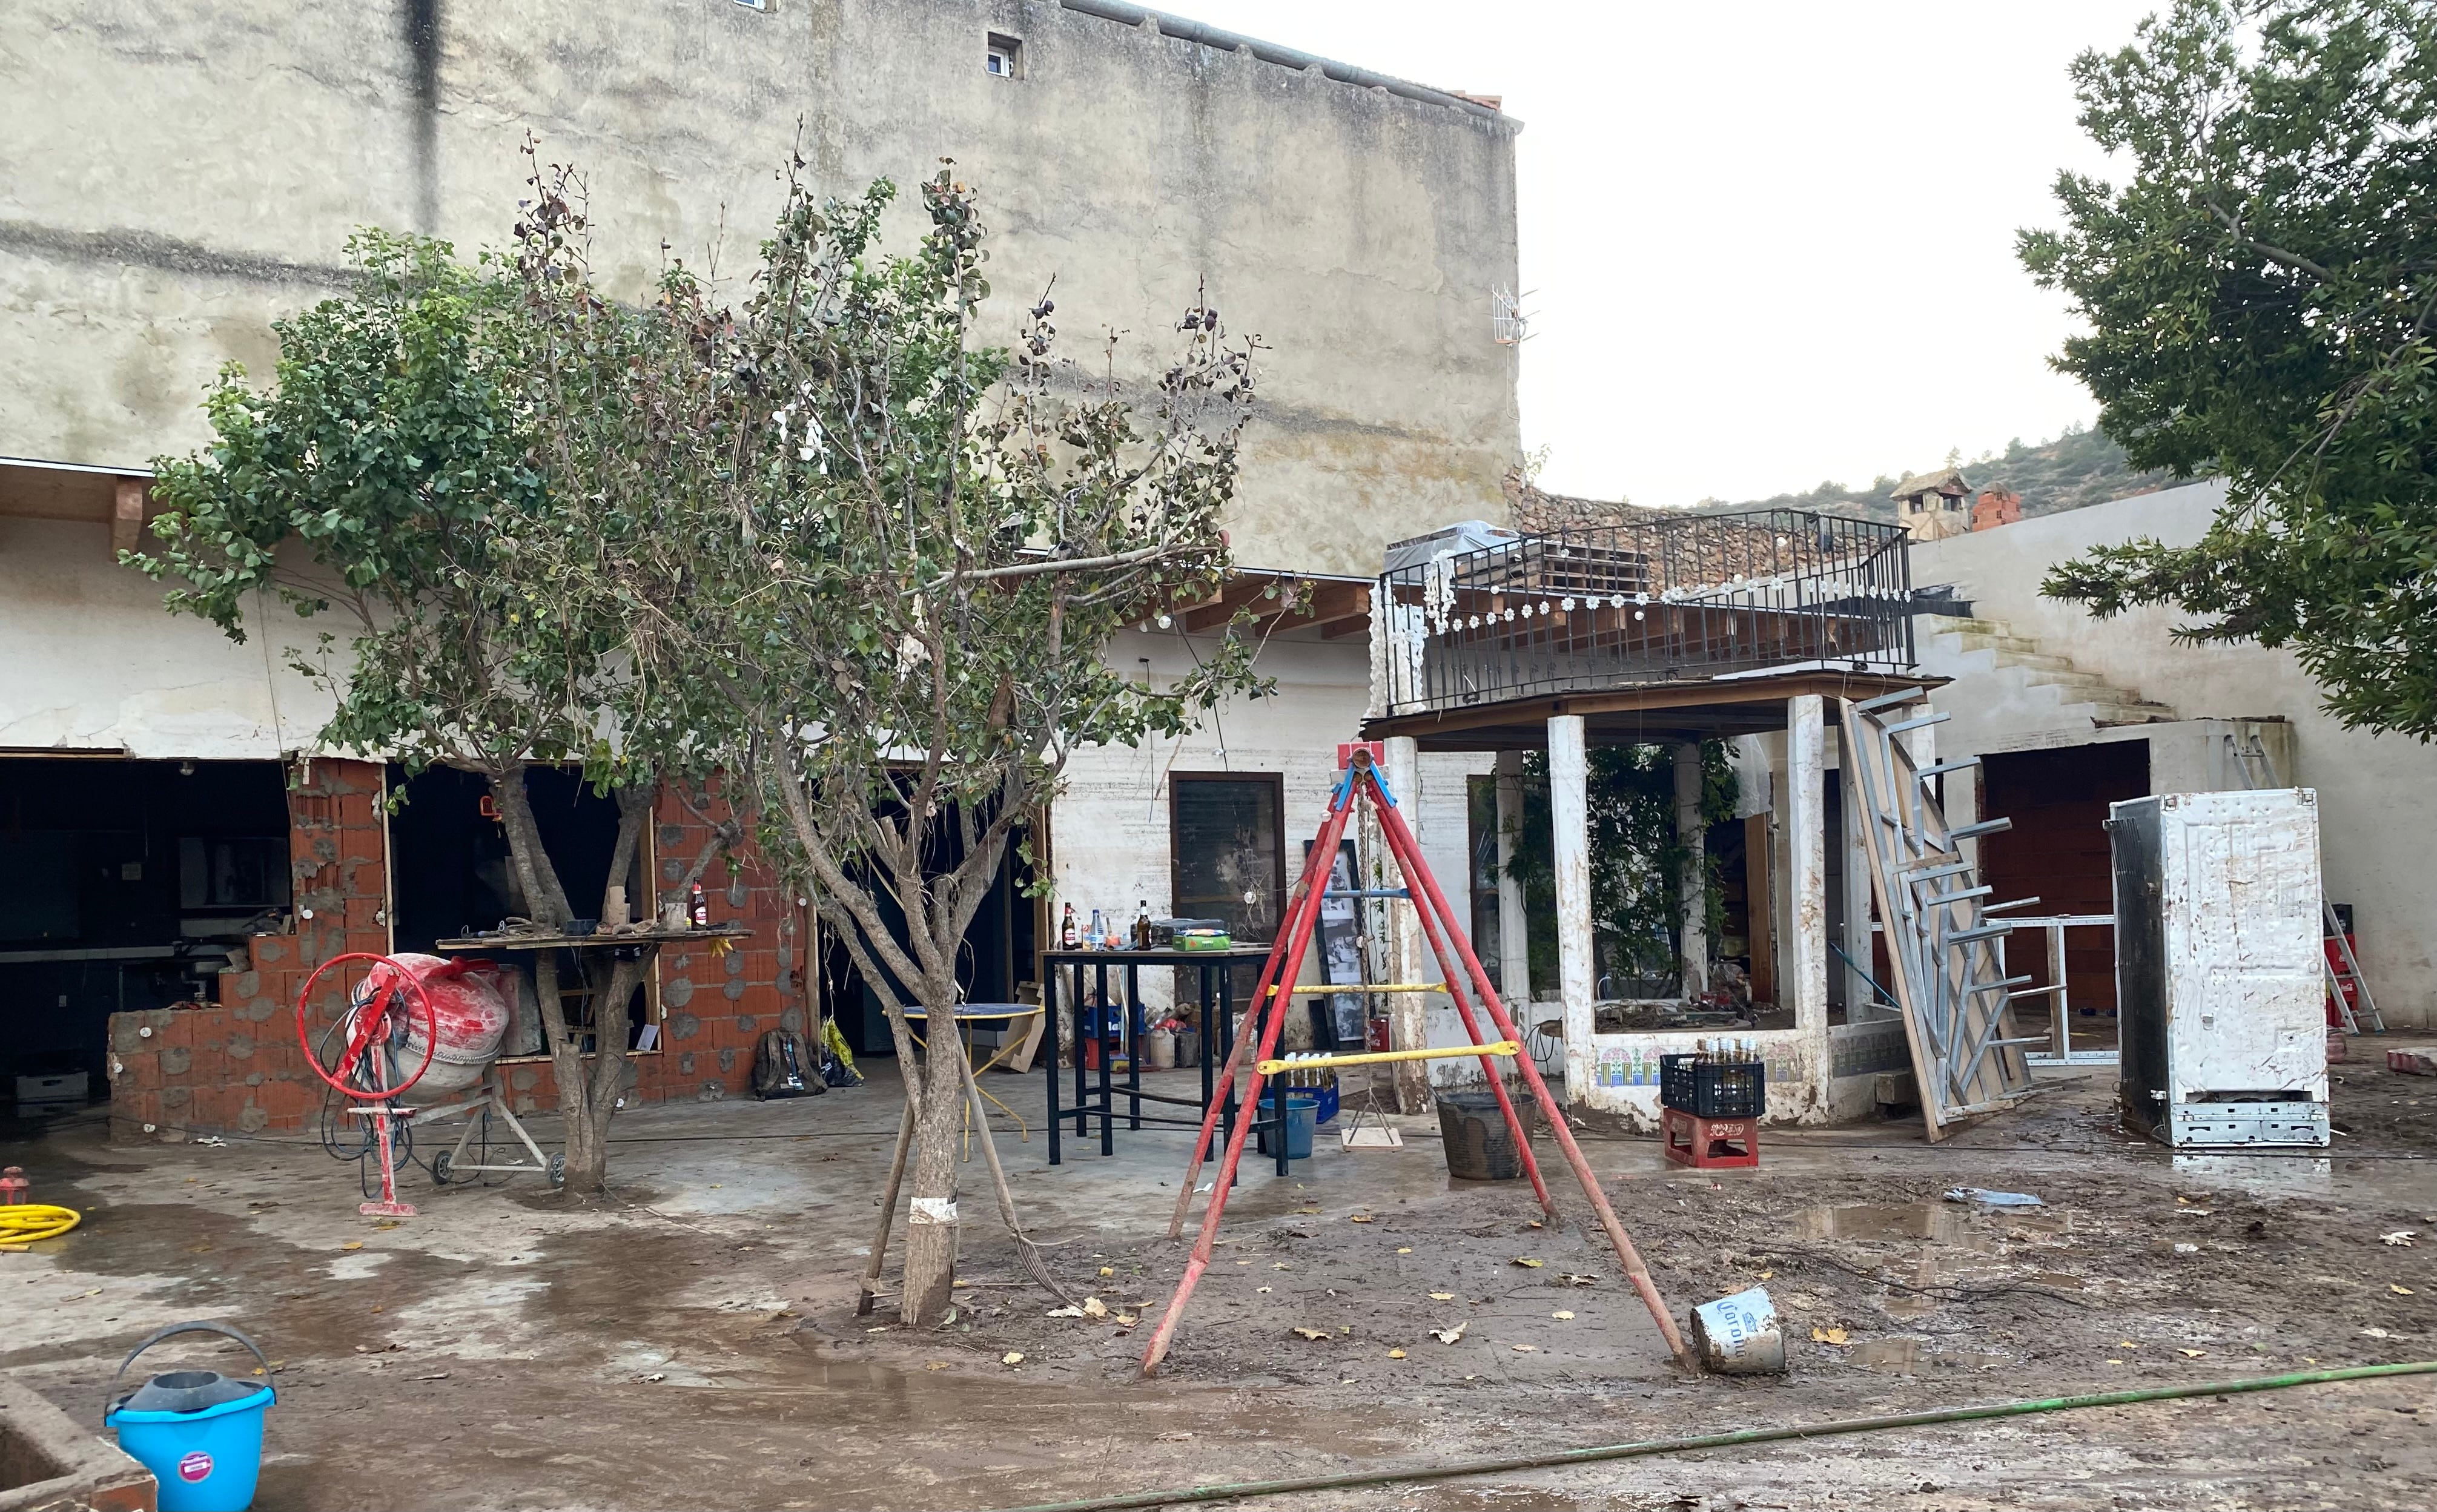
x,y
199,1432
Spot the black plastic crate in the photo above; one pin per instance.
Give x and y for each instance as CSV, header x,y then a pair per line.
x,y
1736,1090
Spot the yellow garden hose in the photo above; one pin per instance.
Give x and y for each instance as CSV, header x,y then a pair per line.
x,y
22,1224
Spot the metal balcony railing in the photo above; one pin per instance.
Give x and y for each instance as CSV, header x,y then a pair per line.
x,y
1611,606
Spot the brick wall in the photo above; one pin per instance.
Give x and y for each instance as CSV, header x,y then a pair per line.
x,y
234,1066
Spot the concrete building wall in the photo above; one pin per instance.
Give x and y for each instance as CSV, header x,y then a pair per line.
x,y
2377,793
1111,828
182,172
93,662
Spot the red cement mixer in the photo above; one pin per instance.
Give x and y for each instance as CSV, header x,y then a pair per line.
x,y
413,1029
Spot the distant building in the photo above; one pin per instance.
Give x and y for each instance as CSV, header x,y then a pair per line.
x,y
1997,507
1932,504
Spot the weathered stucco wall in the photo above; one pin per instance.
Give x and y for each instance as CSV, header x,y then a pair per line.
x,y
89,660
2377,793
1110,829
180,172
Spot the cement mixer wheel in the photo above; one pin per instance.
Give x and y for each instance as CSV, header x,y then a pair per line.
x,y
559,1170
440,1167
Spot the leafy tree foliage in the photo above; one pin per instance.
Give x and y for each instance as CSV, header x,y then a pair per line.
x,y
874,559
2260,291
1636,859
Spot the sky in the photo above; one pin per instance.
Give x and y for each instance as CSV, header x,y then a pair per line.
x,y
1765,244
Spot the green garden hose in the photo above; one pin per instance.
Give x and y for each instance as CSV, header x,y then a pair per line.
x,y
1747,1436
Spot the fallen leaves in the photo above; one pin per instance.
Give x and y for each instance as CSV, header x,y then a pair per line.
x,y
353,1244
2400,1239
1838,1337
1013,1357
1562,1315
2398,1290
1127,1320
937,1364
1527,1348
1571,1278
2193,1354
1395,1354
2376,1333
1359,1217
1315,1335
1450,1335
1108,1270
1442,1296
1265,1288
1528,1263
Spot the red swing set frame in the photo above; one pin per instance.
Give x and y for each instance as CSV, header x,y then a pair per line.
x,y
1465,983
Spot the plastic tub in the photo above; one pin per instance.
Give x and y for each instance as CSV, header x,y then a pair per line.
x,y
1301,1106
1478,1145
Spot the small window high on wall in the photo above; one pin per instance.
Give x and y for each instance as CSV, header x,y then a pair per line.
x,y
1228,851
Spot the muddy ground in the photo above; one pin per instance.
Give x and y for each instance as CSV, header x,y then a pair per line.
x,y
692,1340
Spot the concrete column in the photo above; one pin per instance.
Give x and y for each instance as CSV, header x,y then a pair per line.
x,y
1409,1026
1570,817
1858,994
1514,928
1806,846
1694,883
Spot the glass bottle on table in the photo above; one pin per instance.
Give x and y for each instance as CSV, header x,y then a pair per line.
x,y
1142,925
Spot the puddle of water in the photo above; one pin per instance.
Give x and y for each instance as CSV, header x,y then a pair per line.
x,y
1903,1356
1941,1222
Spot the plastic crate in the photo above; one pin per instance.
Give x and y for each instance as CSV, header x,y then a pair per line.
x,y
1736,1090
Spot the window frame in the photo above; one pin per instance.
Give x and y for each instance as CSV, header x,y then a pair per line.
x,y
1276,783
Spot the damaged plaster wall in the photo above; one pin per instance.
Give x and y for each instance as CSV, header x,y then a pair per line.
x,y
94,663
182,172
2377,793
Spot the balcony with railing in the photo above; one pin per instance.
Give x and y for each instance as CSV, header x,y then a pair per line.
x,y
1643,603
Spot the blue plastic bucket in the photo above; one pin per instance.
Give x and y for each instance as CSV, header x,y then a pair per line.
x,y
207,1459
1300,1122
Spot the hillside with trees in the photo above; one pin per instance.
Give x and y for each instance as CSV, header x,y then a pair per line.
x,y
2081,466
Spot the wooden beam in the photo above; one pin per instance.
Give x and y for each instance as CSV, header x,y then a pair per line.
x,y
127,515
1330,603
1244,590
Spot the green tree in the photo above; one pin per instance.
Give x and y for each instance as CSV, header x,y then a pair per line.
x,y
391,480
890,553
1636,859
2259,291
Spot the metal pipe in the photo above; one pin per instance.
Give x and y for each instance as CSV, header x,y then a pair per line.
x,y
1554,1458
1270,52
1443,1052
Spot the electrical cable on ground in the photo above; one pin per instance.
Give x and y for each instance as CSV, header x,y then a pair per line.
x,y
1557,1458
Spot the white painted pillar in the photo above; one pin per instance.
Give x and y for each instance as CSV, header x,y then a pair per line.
x,y
1806,845
1570,817
1409,1025
1859,994
1693,883
1513,927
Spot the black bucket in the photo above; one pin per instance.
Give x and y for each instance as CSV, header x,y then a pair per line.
x,y
1478,1145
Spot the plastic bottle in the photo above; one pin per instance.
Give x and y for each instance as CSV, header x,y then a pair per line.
x,y
698,908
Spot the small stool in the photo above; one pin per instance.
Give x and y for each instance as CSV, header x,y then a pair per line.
x,y
1708,1144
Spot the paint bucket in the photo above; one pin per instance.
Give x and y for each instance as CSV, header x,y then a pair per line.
x,y
1738,1335
1188,1048
1299,1123
1159,1050
199,1432
1478,1145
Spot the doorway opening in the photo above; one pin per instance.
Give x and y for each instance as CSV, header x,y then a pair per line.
x,y
124,885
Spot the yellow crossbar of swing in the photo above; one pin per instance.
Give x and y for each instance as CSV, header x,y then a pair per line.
x,y
1327,989
1314,1063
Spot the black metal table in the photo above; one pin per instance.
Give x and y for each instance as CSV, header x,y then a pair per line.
x,y
1217,1027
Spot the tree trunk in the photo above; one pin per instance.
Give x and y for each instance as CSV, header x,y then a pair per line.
x,y
932,1228
534,873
